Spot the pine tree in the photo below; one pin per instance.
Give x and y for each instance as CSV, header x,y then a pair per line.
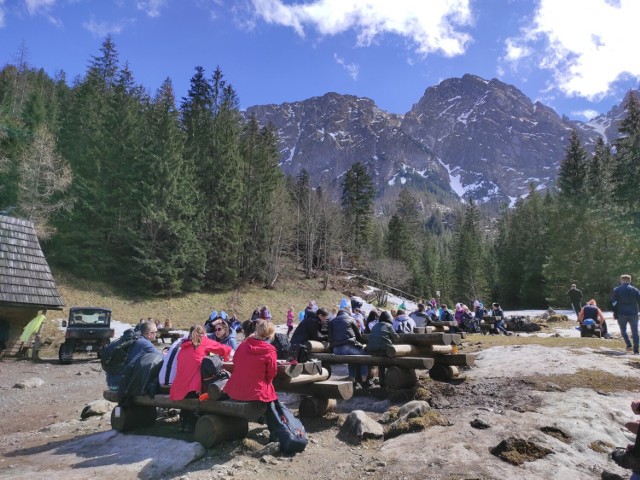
x,y
84,241
357,203
573,169
469,280
261,177
167,255
626,174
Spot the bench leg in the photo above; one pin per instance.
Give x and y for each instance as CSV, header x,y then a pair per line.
x,y
124,419
443,373
313,407
397,378
213,429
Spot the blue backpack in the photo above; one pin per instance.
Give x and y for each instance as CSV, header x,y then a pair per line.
x,y
286,428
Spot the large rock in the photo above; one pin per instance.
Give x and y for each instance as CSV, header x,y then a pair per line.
x,y
34,382
359,426
116,455
97,407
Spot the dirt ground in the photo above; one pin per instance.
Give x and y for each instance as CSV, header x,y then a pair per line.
x,y
36,419
36,424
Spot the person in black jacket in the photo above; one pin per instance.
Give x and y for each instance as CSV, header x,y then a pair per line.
x,y
309,328
345,339
575,295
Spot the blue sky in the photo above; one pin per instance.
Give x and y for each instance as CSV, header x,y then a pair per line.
x,y
577,56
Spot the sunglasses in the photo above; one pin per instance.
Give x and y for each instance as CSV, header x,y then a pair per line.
x,y
219,329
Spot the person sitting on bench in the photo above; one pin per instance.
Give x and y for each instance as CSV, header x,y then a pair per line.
x,y
382,337
254,367
188,380
591,311
222,334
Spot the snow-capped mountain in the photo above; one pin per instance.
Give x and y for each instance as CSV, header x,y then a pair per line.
x,y
465,138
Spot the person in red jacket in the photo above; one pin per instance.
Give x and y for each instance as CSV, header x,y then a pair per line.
x,y
192,351
254,367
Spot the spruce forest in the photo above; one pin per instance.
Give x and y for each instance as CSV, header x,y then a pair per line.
x,y
164,196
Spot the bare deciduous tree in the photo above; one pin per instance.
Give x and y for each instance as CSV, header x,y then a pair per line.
x,y
44,178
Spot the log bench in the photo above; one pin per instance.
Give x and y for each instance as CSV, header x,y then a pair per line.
x,y
435,351
219,420
222,420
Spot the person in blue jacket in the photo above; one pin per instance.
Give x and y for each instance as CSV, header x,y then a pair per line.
x,y
625,299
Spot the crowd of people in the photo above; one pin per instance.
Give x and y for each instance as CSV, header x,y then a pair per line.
x,y
255,356
342,328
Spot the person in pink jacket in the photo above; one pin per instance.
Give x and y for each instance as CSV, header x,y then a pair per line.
x,y
254,367
192,351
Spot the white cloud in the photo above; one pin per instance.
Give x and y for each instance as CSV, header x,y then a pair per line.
x,y
432,26
587,45
351,68
43,7
39,6
515,51
2,23
152,7
587,114
102,29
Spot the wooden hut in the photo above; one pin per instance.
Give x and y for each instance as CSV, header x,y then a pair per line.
x,y
26,283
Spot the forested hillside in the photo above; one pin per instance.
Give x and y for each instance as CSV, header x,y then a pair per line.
x,y
162,196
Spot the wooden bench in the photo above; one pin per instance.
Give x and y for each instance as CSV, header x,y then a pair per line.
x,y
222,420
172,335
435,352
219,420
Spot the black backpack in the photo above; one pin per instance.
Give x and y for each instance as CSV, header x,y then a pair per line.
x,y
282,344
212,370
114,356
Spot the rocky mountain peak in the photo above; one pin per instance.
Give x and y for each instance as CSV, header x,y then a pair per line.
x,y
465,138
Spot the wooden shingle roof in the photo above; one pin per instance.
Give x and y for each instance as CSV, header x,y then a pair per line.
x,y
25,277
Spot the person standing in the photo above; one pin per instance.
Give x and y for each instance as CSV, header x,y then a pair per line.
x,y
625,300
290,316
575,295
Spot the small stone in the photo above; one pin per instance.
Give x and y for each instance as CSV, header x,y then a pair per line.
x,y
479,424
270,459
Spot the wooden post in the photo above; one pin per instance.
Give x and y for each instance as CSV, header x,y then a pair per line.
x,y
457,359
213,429
342,389
313,407
420,363
397,378
279,382
317,347
444,373
416,350
124,419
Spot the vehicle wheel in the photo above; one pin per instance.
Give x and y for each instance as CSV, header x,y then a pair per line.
x,y
65,353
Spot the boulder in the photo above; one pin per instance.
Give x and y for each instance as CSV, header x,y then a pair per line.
x,y
359,426
97,407
34,382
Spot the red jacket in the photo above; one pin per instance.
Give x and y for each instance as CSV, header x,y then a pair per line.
x,y
254,367
188,378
